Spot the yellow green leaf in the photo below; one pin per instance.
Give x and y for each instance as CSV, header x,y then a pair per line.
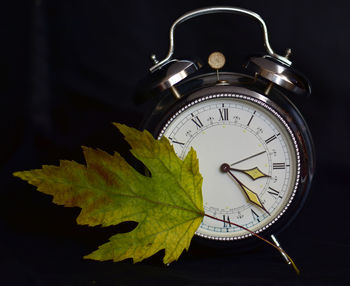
x,y
167,205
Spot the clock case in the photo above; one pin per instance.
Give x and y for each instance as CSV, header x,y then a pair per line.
x,y
272,81
201,85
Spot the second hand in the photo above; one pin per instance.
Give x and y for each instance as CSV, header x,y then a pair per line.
x,y
252,156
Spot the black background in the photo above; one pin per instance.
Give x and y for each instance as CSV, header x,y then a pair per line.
x,y
70,68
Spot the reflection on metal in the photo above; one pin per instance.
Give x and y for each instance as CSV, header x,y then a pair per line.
x,y
279,74
175,71
175,92
214,10
285,257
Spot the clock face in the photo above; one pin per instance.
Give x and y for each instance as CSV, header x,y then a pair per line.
x,y
248,158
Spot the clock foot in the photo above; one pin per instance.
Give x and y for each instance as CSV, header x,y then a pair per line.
x,y
286,258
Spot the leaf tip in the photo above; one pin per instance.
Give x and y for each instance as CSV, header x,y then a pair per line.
x,y
17,174
127,131
93,256
21,174
193,153
120,126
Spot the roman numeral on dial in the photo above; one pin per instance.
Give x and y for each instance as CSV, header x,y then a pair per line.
x,y
223,114
278,166
255,215
273,192
226,221
273,137
176,142
197,121
251,118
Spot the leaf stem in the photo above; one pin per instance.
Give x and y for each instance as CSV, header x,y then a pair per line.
x,y
260,237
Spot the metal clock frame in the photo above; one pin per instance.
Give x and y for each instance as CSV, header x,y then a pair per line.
x,y
204,85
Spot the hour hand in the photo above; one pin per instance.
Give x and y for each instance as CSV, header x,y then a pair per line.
x,y
253,173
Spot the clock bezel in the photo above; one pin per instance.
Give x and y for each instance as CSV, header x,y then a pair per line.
x,y
267,109
204,84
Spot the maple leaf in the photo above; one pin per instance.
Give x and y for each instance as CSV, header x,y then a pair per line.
x,y
167,205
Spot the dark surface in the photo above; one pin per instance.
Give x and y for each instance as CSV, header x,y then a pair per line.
x,y
70,68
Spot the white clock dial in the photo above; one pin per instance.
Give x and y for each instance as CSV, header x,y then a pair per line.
x,y
260,150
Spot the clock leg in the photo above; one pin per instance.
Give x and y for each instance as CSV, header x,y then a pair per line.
x,y
285,257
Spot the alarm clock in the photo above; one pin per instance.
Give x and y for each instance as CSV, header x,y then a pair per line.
x,y
254,148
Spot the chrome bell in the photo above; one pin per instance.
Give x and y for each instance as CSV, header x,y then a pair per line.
x,y
279,73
